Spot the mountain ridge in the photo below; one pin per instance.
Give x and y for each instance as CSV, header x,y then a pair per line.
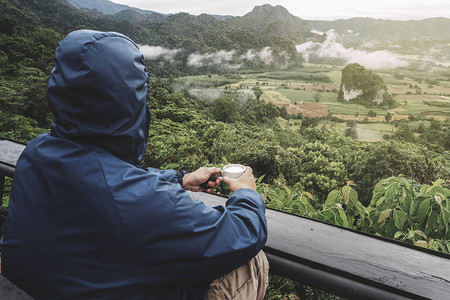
x,y
106,6
391,30
278,21
110,8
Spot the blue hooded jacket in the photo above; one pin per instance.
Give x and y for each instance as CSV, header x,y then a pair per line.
x,y
86,221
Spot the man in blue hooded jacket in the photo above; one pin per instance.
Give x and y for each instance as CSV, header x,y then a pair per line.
x,y
87,222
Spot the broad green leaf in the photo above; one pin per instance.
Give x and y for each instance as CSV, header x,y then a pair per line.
x,y
444,220
391,192
431,223
361,210
260,178
288,190
438,182
353,197
346,192
422,244
310,208
343,217
405,182
411,234
421,233
329,216
377,193
424,188
390,228
409,195
423,210
399,219
384,215
379,201
413,208
308,195
445,214
398,234
409,199
446,192
333,197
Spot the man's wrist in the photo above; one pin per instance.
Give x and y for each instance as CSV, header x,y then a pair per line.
x,y
181,177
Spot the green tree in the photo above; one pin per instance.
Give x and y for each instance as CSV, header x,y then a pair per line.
x,y
388,117
309,122
390,158
371,113
317,96
351,132
258,92
404,133
225,109
371,87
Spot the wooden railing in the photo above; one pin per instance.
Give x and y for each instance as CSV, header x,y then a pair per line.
x,y
345,262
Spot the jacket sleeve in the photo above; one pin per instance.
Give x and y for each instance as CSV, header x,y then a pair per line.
x,y
175,238
169,175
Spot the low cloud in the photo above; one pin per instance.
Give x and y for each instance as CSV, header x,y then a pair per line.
x,y
220,58
231,60
227,60
206,94
265,55
157,52
333,49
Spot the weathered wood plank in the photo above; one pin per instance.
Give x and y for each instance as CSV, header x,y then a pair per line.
x,y
390,265
10,152
10,292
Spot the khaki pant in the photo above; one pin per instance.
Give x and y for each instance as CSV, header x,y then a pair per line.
x,y
248,282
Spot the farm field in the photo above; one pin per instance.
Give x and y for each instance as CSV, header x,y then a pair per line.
x,y
313,90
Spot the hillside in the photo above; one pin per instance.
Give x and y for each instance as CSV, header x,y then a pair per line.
x,y
105,6
134,16
365,29
274,20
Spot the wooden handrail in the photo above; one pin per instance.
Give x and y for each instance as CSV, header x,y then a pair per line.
x,y
350,263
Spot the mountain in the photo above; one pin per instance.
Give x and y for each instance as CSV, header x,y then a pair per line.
x,y
265,45
124,12
134,16
105,6
274,20
264,38
366,29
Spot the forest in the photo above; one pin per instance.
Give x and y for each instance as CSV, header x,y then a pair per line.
x,y
396,187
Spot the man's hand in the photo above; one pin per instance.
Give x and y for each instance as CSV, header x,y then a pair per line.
x,y
192,181
246,180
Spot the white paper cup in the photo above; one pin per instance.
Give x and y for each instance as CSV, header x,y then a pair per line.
x,y
233,170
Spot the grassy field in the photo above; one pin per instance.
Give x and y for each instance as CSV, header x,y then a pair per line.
x,y
410,91
372,132
299,90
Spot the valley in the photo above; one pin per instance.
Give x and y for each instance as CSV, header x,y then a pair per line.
x,y
417,101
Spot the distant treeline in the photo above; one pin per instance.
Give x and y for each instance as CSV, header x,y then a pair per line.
x,y
300,76
437,103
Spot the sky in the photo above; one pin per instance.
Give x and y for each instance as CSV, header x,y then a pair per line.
x,y
306,9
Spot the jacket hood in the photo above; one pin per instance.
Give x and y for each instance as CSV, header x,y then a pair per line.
x,y
97,92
